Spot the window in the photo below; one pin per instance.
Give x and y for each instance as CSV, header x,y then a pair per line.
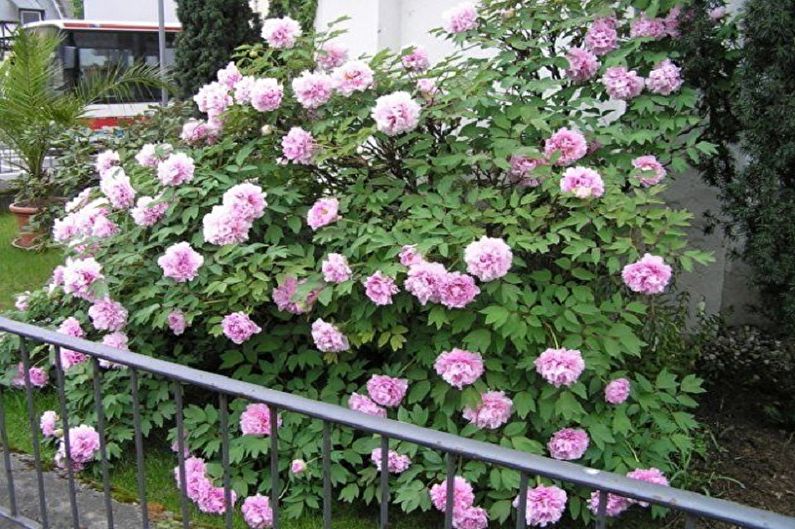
x,y
26,16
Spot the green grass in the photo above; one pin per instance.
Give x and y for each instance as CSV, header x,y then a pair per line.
x,y
21,270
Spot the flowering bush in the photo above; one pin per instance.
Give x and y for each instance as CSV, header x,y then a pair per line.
x,y
471,257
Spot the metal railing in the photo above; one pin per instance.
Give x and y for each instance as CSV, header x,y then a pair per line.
x,y
694,505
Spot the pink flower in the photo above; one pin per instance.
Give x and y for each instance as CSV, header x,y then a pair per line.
x,y
246,200
409,255
470,518
108,315
328,338
331,55
665,78
617,391
645,27
107,160
396,113
284,293
243,90
380,288
583,64
570,144
266,95
196,131
396,463
212,500
38,377
79,201
298,466
79,275
299,146
83,446
313,89
323,212
425,280
458,367
488,258
151,154
427,88
196,481
257,512
213,98
387,391
176,322
458,290
672,21
568,444
416,60
353,76
648,276
116,186
256,420
582,182
463,17
463,495
601,37
560,367
175,170
21,302
493,411
545,505
651,170
281,33
148,211
223,226
615,504
238,327
717,13
117,340
229,76
48,422
363,404
651,475
336,269
522,168
621,83
180,262
71,327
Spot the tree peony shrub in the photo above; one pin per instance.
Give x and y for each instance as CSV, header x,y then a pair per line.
x,y
403,264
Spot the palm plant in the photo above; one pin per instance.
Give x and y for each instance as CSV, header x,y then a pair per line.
x,y
35,111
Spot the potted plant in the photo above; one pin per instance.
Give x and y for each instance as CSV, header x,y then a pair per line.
x,y
34,113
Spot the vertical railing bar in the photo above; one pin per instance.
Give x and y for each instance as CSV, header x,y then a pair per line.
x,y
384,481
139,449
35,429
450,482
690,521
521,509
181,456
224,416
602,510
326,475
12,493
67,448
274,422
103,448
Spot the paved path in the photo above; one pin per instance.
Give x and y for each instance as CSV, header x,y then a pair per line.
x,y
91,503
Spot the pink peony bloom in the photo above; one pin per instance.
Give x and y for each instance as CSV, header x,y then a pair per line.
x,y
425,280
560,367
717,13
323,212
116,186
38,377
257,512
117,340
362,403
493,411
522,168
281,33
645,27
266,95
621,83
71,327
246,200
582,182
21,302
458,290
617,391
416,60
672,21
313,89
353,76
83,447
108,315
396,113
583,64
427,88
488,258
568,444
648,276
79,275
224,226
150,154
651,171
459,368
180,262
229,76
463,17
665,78
107,160
148,211
299,146
284,293
328,338
256,420
387,391
196,131
244,89
463,495
335,268
569,144
213,98
48,423
331,55
238,327
79,201
544,506
176,322
601,37
615,504
380,288
298,466
651,475
196,481
470,518
212,500
396,463
409,255
176,170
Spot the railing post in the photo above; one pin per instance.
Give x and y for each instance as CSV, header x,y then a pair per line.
x,y
601,511
103,449
139,448
274,421
35,430
326,475
181,456
67,448
521,509
384,482
450,483
12,493
224,424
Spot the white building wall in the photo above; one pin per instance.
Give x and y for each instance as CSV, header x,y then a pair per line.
x,y
129,10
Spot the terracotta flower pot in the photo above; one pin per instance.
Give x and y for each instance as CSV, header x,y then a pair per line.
x,y
25,239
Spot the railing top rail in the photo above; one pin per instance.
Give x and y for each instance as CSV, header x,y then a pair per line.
x,y
683,500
